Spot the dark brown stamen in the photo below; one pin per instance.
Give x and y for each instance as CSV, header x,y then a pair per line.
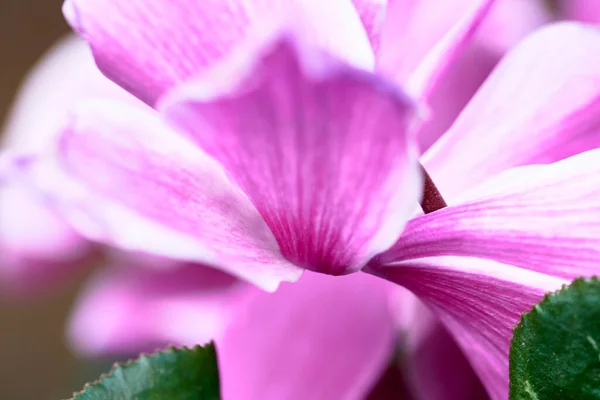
x,y
432,199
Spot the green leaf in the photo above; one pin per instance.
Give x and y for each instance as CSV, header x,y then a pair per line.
x,y
177,374
555,351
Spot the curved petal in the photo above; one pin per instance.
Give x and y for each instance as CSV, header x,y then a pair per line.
x,y
479,301
148,46
320,338
322,150
543,218
38,248
421,38
128,180
505,24
130,308
541,104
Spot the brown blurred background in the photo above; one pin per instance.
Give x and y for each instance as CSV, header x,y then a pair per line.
x,y
34,362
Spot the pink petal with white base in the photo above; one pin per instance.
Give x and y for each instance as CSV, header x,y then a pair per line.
x,y
148,46
541,104
128,180
421,38
322,150
544,218
320,338
479,301
130,308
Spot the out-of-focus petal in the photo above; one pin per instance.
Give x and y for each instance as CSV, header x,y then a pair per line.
x,y
372,15
148,46
544,218
453,92
321,149
541,104
505,24
479,301
434,365
509,21
580,10
126,179
131,308
320,338
421,38
37,248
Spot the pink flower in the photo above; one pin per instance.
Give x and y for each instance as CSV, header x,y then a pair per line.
x,y
318,123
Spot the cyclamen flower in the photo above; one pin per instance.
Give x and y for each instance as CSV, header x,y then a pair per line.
x,y
126,149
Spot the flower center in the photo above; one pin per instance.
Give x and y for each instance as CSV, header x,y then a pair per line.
x,y
432,200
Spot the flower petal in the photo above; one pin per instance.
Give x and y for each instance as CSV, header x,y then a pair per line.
x,y
148,46
479,301
435,366
128,180
37,248
130,308
372,15
505,24
322,150
580,10
421,38
516,120
320,338
543,218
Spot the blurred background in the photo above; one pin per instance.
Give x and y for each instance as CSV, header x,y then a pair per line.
x,y
34,361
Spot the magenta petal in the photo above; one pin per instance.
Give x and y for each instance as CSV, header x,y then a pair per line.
x,y
128,180
516,120
479,301
372,15
321,338
148,46
435,366
322,150
421,38
580,10
544,218
130,308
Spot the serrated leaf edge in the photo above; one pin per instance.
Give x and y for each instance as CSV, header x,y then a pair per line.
x,y
547,297
118,365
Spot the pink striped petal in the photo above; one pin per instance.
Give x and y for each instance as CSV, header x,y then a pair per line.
x,y
148,46
434,365
322,150
544,218
541,104
421,38
128,180
321,338
131,308
479,301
